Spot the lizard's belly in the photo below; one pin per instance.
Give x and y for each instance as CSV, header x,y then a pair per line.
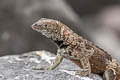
x,y
99,61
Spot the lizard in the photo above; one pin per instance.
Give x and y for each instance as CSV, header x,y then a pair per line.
x,y
85,54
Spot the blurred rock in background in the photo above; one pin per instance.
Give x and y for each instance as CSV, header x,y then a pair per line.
x,y
108,34
87,18
16,35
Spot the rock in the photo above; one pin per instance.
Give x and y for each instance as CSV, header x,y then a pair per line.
x,y
19,67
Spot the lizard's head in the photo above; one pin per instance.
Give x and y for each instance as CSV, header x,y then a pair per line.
x,y
47,27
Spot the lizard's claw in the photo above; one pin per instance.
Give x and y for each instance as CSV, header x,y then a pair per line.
x,y
40,68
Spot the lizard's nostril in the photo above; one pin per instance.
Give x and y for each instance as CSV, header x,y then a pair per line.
x,y
35,24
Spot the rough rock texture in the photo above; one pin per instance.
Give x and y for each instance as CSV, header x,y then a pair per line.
x,y
19,67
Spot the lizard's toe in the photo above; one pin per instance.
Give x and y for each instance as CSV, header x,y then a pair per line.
x,y
82,73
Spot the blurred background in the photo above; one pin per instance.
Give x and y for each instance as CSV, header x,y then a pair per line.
x,y
95,20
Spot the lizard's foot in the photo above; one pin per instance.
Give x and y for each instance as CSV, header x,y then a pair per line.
x,y
82,73
109,74
40,68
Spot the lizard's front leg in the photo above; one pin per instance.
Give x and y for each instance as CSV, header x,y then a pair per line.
x,y
55,62
86,67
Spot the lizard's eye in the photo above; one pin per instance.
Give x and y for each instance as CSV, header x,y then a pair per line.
x,y
45,25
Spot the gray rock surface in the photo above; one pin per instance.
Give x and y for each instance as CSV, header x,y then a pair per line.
x,y
19,67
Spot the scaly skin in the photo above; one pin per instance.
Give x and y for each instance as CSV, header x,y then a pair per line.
x,y
77,49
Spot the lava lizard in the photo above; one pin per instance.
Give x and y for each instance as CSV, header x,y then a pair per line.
x,y
75,48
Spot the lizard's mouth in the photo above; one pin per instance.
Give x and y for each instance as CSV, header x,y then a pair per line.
x,y
40,29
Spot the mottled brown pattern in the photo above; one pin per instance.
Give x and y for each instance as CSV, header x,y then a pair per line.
x,y
99,61
77,49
